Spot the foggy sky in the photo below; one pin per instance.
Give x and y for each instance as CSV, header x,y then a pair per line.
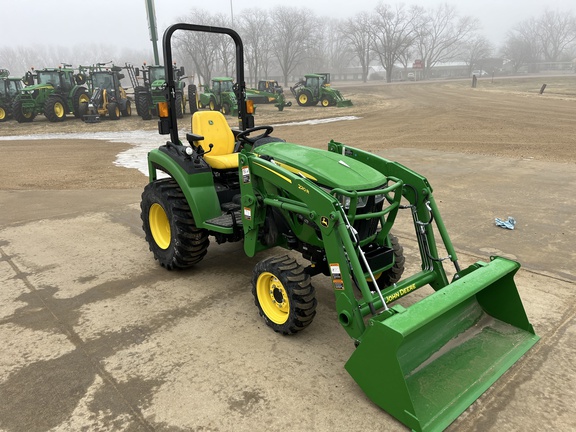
x,y
123,23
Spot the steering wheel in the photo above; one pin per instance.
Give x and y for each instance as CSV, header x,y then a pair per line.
x,y
243,136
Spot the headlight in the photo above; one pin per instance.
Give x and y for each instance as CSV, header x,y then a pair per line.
x,y
345,201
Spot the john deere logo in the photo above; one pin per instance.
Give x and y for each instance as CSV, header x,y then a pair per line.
x,y
324,221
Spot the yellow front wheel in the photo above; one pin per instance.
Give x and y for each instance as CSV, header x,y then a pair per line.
x,y
284,294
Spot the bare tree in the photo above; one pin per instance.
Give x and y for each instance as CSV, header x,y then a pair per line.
x,y
294,31
441,34
522,46
357,32
476,49
255,30
201,47
556,32
393,32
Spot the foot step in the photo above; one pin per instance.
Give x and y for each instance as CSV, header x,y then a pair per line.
x,y
226,220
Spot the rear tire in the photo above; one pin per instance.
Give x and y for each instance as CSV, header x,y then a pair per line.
x,y
127,112
213,105
192,98
169,226
304,98
284,294
55,109
179,106
80,97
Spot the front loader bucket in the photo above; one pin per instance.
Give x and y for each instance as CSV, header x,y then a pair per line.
x,y
344,103
426,364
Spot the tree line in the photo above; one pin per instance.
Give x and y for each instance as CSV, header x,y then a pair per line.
x,y
289,41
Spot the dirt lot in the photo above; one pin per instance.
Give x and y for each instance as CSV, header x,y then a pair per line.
x,y
506,118
96,336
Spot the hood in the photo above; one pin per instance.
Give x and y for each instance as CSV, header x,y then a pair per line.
x,y
324,167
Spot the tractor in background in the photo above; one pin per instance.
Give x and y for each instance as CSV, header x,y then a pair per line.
x,y
268,92
9,88
424,363
108,96
219,97
314,88
153,89
53,92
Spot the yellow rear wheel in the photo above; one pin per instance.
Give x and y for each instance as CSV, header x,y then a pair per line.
x,y
160,226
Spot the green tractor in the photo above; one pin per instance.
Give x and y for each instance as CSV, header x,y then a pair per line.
x,y
316,88
148,95
53,92
9,88
108,96
268,92
219,97
424,363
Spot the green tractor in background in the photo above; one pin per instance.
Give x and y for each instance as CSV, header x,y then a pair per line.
x,y
108,98
9,88
219,97
53,92
268,92
424,363
148,95
316,88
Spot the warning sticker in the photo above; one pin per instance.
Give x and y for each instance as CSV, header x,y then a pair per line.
x,y
245,174
335,270
338,284
247,213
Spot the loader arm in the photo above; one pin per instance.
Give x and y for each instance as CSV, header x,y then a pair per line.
x,y
262,179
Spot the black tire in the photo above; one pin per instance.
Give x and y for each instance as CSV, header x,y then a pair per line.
x,y
55,109
80,96
393,274
83,110
213,105
192,104
304,98
284,294
225,109
113,111
20,114
3,114
143,102
326,101
179,106
137,91
127,111
169,226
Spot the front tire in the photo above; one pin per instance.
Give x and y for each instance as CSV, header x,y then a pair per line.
x,y
169,226
21,114
393,274
284,294
113,111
